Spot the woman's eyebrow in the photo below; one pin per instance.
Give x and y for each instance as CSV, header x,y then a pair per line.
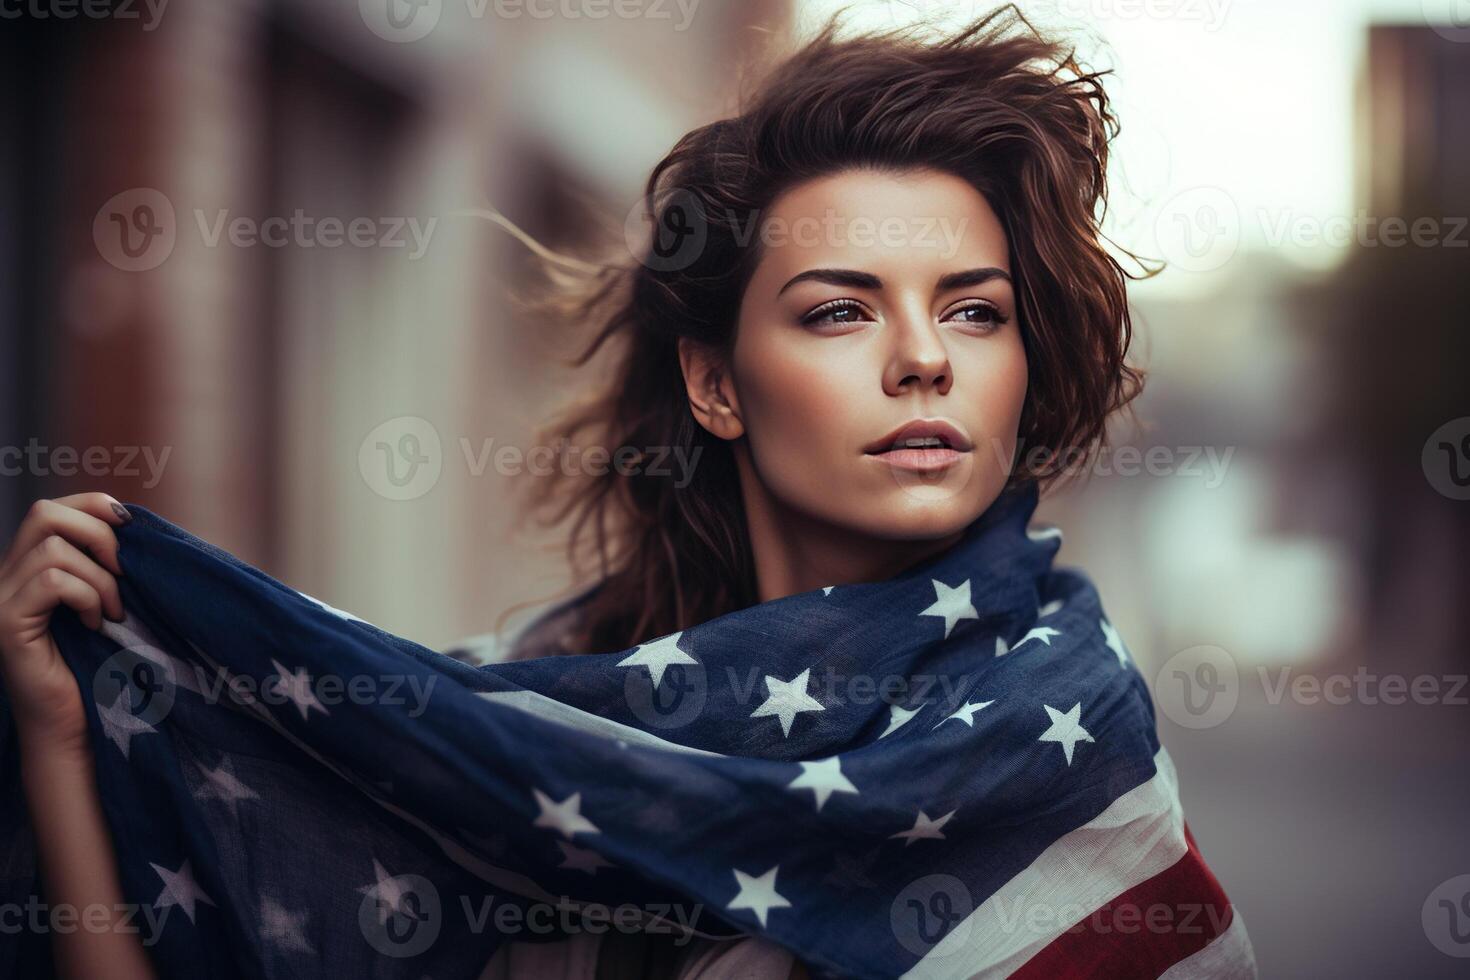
x,y
866,280
835,277
970,277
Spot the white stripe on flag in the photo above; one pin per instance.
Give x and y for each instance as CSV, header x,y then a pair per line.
x,y
552,710
1229,956
507,880
133,635
1141,834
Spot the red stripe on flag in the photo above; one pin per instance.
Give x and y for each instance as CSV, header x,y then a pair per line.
x,y
1143,931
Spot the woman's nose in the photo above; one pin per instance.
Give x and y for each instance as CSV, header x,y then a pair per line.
x,y
919,359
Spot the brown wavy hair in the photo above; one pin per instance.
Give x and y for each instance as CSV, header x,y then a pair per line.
x,y
997,104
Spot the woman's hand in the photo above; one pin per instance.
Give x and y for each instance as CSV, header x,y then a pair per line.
x,y
64,551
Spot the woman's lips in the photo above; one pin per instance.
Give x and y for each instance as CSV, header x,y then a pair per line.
x,y
928,458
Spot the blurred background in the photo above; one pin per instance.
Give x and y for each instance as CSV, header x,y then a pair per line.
x,y
247,280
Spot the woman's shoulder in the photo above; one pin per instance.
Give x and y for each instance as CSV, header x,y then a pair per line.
x,y
542,632
572,958
752,956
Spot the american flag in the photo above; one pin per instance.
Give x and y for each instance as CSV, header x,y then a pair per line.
x,y
952,773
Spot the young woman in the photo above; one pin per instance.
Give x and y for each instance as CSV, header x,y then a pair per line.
x,y
876,301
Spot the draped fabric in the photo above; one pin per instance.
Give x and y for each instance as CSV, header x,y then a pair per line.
x,y
950,773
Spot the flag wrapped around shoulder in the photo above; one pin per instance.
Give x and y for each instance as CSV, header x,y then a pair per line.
x,y
951,773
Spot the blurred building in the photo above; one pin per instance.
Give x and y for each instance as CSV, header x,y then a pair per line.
x,y
1385,348
1328,548
1391,325
179,303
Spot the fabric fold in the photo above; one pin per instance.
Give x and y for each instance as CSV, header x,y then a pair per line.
x,y
859,773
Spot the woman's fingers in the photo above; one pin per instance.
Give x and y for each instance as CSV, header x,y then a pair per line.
x,y
52,586
84,519
57,552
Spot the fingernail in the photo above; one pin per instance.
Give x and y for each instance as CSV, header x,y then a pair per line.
x,y
121,511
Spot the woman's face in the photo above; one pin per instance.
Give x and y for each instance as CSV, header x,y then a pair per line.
x,y
880,301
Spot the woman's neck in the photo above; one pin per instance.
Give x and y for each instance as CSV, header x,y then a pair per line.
x,y
797,552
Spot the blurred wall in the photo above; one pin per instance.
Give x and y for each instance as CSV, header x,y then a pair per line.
x,y
195,306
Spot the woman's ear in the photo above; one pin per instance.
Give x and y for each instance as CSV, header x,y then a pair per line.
x,y
711,395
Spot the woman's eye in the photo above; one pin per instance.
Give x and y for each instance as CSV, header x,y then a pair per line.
x,y
836,312
980,314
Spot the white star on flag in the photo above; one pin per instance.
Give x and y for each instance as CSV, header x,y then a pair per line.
x,y
1066,729
758,894
966,712
576,858
296,685
1042,533
1001,649
924,828
951,603
824,777
120,724
285,929
1054,606
787,699
898,717
658,655
180,888
1042,633
1115,642
827,589
391,893
222,784
565,816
